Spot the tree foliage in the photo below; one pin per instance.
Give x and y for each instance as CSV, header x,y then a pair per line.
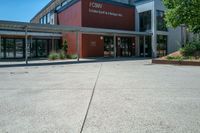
x,y
186,12
65,47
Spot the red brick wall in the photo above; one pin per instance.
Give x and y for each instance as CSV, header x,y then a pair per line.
x,y
71,41
71,17
92,46
124,22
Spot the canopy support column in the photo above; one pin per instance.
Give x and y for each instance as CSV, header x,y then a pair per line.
x,y
77,46
26,47
115,46
52,44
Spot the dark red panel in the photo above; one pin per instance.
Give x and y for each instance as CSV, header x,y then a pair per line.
x,y
106,15
92,46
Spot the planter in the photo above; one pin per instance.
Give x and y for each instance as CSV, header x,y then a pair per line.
x,y
186,63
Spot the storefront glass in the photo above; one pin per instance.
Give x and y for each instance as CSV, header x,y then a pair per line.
x,y
147,51
125,47
10,48
1,49
19,48
145,21
108,47
15,47
161,24
161,45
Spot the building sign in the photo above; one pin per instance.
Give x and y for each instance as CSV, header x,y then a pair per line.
x,y
97,8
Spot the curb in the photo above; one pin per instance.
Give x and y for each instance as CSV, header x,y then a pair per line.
x,y
184,63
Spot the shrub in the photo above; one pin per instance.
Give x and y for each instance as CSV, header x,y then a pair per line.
x,y
53,56
72,56
191,49
188,50
62,55
176,58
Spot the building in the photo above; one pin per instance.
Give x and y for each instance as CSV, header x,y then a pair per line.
x,y
126,15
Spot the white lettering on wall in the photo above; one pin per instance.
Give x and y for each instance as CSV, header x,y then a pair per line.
x,y
97,9
95,5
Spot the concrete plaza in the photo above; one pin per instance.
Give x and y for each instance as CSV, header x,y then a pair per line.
x,y
130,96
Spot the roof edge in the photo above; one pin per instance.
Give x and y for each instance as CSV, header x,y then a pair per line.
x,y
42,9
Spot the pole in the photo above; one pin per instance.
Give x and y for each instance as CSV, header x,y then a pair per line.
x,y
182,36
26,43
115,44
77,47
52,44
144,45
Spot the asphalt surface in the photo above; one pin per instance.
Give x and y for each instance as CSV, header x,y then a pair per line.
x,y
130,96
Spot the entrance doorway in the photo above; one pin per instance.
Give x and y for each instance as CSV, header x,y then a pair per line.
x,y
108,46
125,47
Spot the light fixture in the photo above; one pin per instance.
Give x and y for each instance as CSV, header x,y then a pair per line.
x,y
101,37
118,38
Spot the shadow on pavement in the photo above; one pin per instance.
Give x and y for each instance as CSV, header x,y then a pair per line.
x,y
44,62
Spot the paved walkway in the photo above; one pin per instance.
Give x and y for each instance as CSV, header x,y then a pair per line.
x,y
100,97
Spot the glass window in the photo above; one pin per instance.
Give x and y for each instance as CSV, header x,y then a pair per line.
x,y
33,48
58,45
42,48
41,20
48,18
45,19
19,48
52,18
10,48
161,45
64,3
1,49
145,50
58,7
145,21
161,24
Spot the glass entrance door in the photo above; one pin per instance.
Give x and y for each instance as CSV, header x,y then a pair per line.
x,y
145,49
125,47
108,47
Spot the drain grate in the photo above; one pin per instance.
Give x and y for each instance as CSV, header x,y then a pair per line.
x,y
16,73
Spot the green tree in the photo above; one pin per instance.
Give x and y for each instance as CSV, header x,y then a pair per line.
x,y
65,47
183,12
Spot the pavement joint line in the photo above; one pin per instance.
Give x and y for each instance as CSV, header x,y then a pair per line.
x,y
91,98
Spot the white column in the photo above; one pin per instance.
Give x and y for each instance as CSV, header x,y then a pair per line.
x,y
26,48
115,46
154,28
77,46
52,44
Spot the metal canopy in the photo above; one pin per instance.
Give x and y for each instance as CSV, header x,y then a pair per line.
x,y
14,28
38,34
21,26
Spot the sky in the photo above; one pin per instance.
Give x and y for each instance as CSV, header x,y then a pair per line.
x,y
20,10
